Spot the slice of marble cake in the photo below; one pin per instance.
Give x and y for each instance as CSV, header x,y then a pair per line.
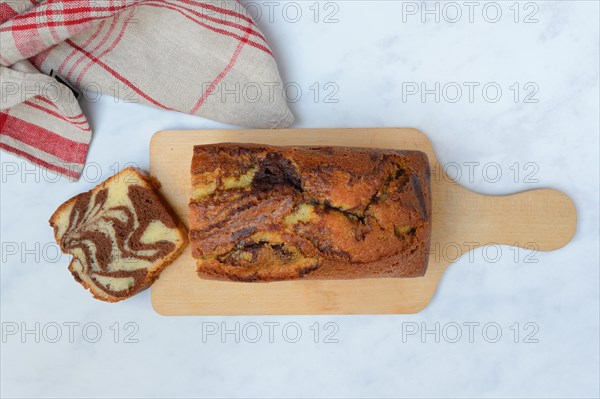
x,y
121,235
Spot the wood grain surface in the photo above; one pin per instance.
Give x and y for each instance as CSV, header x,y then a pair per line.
x,y
541,219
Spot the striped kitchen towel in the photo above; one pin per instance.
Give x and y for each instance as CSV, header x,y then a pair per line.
x,y
206,58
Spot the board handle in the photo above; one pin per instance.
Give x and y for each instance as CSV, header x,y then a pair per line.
x,y
541,219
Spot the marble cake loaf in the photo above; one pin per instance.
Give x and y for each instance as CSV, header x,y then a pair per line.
x,y
261,213
121,235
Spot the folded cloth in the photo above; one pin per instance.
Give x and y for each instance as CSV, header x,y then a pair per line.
x,y
206,58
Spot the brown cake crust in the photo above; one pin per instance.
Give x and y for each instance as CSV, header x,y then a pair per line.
x,y
262,213
99,235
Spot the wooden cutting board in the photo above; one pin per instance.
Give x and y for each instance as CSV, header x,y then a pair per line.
x,y
462,220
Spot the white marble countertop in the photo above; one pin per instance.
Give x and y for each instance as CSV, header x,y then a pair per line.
x,y
369,69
